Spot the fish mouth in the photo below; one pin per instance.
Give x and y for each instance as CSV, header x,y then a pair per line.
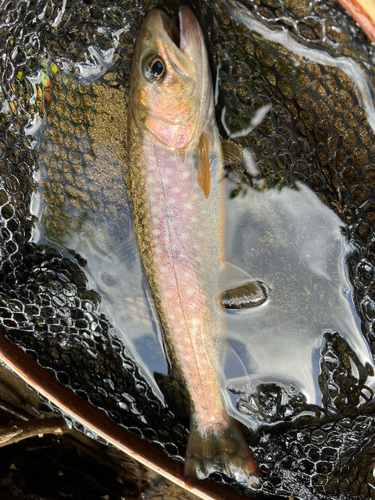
x,y
186,34
170,29
190,32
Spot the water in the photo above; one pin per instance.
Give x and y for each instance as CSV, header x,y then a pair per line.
x,y
286,238
301,106
296,245
348,65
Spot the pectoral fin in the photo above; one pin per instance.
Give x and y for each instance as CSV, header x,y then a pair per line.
x,y
237,290
125,255
232,153
203,175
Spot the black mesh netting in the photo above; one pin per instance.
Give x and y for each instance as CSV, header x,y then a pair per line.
x,y
68,66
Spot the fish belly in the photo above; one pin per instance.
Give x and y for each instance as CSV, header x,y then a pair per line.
x,y
184,228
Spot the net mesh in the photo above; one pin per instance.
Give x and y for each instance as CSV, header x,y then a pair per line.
x,y
317,132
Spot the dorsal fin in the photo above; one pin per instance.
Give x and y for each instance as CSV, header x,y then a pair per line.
x,y
203,175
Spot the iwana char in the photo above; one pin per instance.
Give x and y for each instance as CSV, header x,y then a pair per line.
x,y
176,184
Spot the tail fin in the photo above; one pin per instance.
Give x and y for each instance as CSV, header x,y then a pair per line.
x,y
225,452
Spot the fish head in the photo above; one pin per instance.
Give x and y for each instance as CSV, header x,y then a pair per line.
x,y
171,90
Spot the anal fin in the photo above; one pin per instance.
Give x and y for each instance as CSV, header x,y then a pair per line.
x,y
232,152
250,295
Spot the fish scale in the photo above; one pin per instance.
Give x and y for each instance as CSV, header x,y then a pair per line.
x,y
183,266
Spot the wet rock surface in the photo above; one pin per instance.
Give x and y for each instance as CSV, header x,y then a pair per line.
x,y
318,132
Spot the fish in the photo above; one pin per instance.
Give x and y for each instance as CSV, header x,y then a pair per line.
x,y
177,192
363,12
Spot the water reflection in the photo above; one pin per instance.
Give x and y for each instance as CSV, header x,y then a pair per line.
x,y
126,299
286,238
294,243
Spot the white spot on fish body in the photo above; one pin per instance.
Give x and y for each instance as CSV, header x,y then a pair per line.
x,y
195,323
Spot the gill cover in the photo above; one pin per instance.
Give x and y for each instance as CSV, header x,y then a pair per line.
x,y
171,91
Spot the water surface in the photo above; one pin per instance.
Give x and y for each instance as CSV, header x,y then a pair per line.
x,y
284,236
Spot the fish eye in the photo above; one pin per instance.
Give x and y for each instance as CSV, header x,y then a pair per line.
x,y
155,69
